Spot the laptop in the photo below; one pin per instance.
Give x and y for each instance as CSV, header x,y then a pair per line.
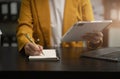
x,y
108,53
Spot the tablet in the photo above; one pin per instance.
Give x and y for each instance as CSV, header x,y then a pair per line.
x,y
76,32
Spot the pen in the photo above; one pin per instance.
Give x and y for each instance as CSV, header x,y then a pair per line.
x,y
28,37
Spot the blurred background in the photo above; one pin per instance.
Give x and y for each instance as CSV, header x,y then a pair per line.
x,y
103,10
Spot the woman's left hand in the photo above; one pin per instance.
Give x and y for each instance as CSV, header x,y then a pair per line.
x,y
94,37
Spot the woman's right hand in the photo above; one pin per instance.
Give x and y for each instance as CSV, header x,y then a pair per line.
x,y
32,49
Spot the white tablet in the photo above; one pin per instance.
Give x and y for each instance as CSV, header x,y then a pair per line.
x,y
76,32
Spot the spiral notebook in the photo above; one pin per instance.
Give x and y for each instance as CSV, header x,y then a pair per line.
x,y
48,55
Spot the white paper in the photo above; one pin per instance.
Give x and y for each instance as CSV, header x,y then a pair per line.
x,y
48,54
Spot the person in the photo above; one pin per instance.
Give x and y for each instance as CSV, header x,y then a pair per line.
x,y
45,21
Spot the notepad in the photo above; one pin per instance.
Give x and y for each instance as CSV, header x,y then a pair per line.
x,y
49,54
80,28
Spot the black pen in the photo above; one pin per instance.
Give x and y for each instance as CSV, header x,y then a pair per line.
x,y
28,37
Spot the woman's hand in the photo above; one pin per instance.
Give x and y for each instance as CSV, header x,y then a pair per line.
x,y
33,49
94,38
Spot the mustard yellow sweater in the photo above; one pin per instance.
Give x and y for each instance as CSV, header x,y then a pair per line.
x,y
34,19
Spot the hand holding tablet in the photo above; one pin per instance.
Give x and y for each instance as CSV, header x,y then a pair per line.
x,y
80,28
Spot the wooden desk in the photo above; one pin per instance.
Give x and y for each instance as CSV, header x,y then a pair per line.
x,y
70,63
70,60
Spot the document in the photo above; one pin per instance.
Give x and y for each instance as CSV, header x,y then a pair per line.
x,y
48,54
76,32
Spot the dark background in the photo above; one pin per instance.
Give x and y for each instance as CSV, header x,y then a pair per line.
x,y
103,10
9,12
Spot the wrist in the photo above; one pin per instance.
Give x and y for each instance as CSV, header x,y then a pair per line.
x,y
91,45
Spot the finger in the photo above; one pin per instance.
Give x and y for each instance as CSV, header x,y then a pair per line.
x,y
33,53
33,46
29,52
95,37
92,39
39,50
95,34
100,34
40,47
37,53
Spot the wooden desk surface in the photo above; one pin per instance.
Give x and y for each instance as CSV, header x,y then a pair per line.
x,y
70,60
